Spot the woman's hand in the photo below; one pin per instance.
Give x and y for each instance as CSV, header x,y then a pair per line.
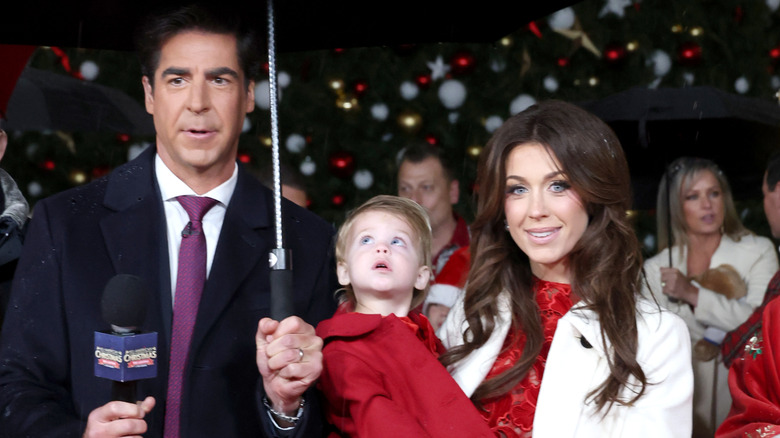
x,y
675,285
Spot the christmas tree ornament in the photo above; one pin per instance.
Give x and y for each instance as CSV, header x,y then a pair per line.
x,y
244,157
462,62
677,28
295,143
452,93
308,166
438,68
742,85
100,171
431,139
775,81
661,63
696,31
774,54
410,121
616,7
341,164
506,41
379,111
773,4
48,165
34,189
336,84
265,140
474,151
497,63
520,103
423,80
492,123
263,95
347,101
550,83
614,54
409,90
689,54
338,200
247,125
122,137
359,87
77,177
563,61
593,81
363,179
579,38
563,19
632,46
453,117
283,79
89,70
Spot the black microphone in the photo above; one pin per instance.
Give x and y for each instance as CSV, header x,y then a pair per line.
x,y
124,354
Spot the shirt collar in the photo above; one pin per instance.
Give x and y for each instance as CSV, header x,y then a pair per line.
x,y
171,186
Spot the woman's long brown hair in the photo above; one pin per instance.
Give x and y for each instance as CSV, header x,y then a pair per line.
x,y
606,262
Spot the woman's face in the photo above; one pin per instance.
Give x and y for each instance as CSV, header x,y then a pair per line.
x,y
545,216
703,205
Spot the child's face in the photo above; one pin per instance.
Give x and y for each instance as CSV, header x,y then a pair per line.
x,y
381,258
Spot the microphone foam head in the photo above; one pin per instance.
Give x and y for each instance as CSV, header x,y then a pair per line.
x,y
124,301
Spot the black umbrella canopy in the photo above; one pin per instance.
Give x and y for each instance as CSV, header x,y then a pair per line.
x,y
301,24
44,100
655,126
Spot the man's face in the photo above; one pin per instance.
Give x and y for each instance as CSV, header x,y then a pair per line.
x,y
772,207
426,184
199,102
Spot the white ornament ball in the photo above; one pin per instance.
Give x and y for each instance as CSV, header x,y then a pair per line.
x,y
492,123
247,125
563,19
31,149
283,79
742,85
453,117
550,84
263,95
520,103
34,189
363,179
295,143
409,90
661,62
387,137
452,93
649,241
773,4
89,70
380,111
135,150
308,166
688,78
498,65
775,81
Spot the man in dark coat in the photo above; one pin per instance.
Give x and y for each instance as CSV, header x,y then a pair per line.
x,y
245,375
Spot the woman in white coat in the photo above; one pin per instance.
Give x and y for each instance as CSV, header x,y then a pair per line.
x,y
707,235
551,337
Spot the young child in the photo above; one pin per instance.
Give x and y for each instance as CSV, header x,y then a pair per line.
x,y
381,376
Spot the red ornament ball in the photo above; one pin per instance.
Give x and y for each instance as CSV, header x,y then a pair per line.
x,y
462,62
423,80
431,139
338,200
342,164
244,157
48,165
563,62
360,87
124,138
614,53
774,53
689,53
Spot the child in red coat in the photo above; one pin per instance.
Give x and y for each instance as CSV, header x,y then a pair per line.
x,y
381,376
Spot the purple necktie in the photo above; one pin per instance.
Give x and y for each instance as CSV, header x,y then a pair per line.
x,y
189,285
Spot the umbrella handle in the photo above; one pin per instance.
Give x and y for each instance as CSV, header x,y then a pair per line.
x,y
281,284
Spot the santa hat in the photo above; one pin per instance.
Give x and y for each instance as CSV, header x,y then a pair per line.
x,y
450,281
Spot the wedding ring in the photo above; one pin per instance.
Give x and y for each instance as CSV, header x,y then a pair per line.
x,y
663,284
300,354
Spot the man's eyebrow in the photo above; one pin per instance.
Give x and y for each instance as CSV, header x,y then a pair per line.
x,y
222,71
175,71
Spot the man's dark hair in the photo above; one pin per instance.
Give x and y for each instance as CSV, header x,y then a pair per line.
x,y
418,152
773,171
156,30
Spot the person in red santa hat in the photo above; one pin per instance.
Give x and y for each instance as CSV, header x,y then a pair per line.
x,y
446,287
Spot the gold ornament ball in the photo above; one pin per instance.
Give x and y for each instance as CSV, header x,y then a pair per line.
x,y
506,41
632,46
677,28
347,102
697,31
593,81
265,140
77,177
474,151
409,121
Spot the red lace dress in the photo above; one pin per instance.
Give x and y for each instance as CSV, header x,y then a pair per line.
x,y
512,415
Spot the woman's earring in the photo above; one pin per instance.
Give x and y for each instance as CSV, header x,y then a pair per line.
x,y
506,225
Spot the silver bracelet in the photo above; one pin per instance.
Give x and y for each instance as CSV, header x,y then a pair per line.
x,y
283,417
